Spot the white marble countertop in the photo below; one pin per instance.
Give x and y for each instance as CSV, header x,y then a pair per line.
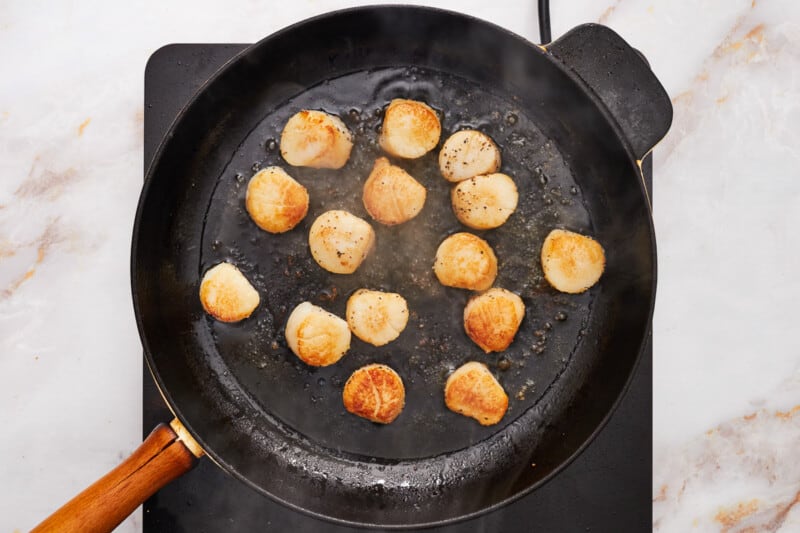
x,y
727,205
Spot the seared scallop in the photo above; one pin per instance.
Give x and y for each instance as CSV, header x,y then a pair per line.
x,y
391,195
484,202
316,336
340,241
376,317
465,261
275,201
375,392
468,153
572,262
226,294
316,139
410,130
473,391
492,319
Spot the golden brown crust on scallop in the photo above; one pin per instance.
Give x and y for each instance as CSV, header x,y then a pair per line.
x,y
275,201
492,319
474,392
391,195
317,337
572,262
226,294
410,129
316,139
465,261
375,392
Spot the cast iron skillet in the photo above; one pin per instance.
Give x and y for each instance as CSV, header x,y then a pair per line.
x,y
573,120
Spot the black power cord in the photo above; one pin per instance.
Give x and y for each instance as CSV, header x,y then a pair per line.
x,y
544,21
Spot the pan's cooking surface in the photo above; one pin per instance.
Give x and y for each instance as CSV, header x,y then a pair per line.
x,y
308,399
248,404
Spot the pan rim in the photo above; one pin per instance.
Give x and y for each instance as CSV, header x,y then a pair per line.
x,y
135,246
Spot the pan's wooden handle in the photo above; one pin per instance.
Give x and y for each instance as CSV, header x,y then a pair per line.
x,y
166,453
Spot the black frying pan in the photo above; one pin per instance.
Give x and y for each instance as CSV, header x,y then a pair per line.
x,y
573,120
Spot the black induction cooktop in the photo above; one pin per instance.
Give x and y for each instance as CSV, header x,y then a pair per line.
x,y
607,488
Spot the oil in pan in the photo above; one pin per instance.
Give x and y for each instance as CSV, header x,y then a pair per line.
x,y
434,343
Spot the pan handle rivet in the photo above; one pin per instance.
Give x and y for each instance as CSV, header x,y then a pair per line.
x,y
186,438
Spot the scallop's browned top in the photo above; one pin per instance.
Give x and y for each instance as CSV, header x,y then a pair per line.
x,y
491,319
391,195
317,337
375,392
275,201
316,139
572,262
473,391
410,129
226,294
465,261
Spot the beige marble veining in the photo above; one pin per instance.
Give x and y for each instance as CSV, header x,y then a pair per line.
x,y
726,387
731,163
741,475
